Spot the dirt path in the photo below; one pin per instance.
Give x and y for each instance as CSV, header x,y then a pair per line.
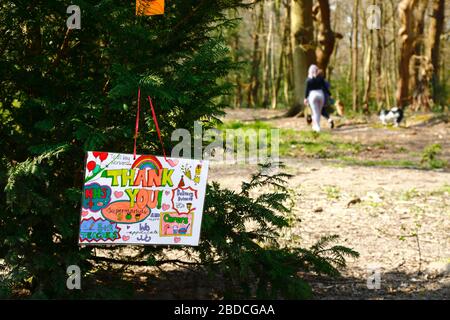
x,y
398,219
390,204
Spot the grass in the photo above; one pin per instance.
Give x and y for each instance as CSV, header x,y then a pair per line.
x,y
256,125
430,157
294,143
325,145
379,163
316,145
409,194
333,192
444,190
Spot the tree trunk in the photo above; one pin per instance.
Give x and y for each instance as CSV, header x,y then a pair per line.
x,y
282,59
326,37
238,92
273,71
379,82
368,73
268,75
288,69
252,98
355,55
405,9
434,35
303,49
417,63
394,67
338,36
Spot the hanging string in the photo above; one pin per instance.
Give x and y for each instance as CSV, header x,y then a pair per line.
x,y
155,120
137,123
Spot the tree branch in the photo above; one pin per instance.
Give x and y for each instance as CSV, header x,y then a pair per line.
x,y
143,263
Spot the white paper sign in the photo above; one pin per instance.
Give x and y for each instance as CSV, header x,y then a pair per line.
x,y
146,201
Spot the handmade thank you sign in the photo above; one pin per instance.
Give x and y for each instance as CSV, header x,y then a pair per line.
x,y
142,199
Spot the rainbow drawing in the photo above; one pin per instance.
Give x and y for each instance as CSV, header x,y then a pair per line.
x,y
147,162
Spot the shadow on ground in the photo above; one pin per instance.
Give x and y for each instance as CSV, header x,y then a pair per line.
x,y
190,284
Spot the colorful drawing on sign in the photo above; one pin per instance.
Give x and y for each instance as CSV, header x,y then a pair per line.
x,y
188,173
96,197
98,230
173,224
149,7
147,162
142,200
183,198
122,212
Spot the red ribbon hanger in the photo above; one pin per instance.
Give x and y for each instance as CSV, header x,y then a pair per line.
x,y
155,120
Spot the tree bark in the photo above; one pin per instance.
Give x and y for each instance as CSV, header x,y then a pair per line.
x,y
379,83
405,10
268,75
326,37
417,63
282,58
288,69
238,92
252,97
368,73
394,61
433,44
303,49
354,72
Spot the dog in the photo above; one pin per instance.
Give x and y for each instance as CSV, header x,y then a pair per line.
x,y
339,108
394,115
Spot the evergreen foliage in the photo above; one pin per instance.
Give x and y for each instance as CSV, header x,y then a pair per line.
x,y
63,93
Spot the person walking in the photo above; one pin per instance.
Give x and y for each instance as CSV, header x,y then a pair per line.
x,y
315,90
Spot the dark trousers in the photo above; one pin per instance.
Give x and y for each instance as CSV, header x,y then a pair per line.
x,y
325,113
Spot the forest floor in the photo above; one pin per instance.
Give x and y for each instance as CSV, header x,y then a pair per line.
x,y
377,197
383,190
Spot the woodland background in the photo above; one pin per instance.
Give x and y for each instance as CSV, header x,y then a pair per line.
x,y
402,63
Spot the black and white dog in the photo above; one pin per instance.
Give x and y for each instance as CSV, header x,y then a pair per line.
x,y
394,115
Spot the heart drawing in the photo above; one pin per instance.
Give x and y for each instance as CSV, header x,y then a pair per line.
x,y
84,213
118,194
101,155
165,207
126,238
177,239
172,163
